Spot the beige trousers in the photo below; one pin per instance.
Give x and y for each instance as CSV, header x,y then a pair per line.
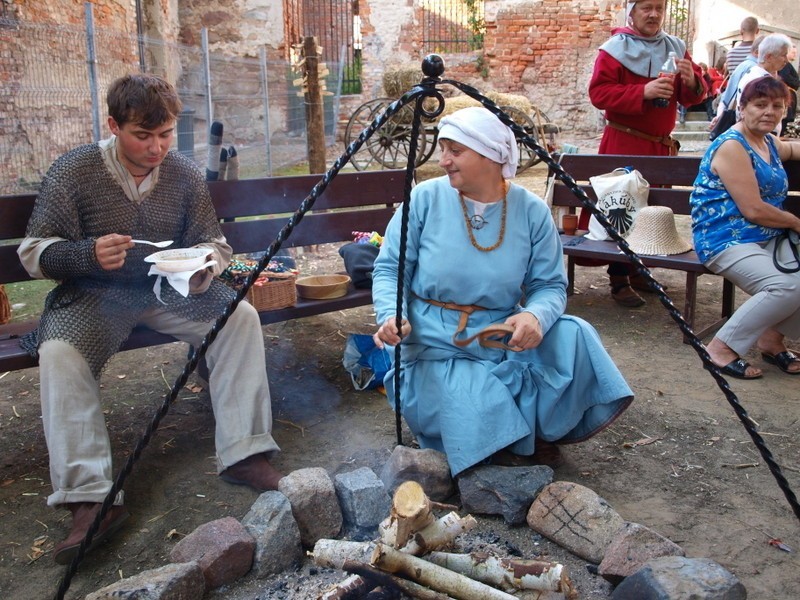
x,y
775,296
74,426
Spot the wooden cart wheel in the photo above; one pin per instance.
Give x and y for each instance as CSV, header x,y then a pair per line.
x,y
389,146
527,157
361,118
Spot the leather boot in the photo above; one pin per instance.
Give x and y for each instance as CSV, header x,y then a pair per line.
x,y
83,515
622,292
254,471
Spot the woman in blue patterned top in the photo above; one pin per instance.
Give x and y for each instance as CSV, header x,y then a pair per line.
x,y
737,218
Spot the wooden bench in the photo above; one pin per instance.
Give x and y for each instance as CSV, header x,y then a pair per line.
x,y
252,211
679,174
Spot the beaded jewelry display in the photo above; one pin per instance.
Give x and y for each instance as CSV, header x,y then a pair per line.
x,y
477,222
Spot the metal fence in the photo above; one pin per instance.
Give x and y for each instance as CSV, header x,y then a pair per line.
x,y
54,79
452,25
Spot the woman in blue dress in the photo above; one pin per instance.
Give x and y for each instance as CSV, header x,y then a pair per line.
x,y
485,253
737,222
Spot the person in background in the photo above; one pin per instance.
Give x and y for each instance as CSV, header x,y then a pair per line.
x,y
788,75
92,202
727,99
773,53
749,30
626,85
463,391
708,102
737,221
717,73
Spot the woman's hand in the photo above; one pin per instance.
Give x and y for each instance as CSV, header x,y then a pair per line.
x,y
387,333
527,331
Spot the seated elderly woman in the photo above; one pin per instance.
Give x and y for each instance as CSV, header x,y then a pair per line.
x,y
484,259
737,222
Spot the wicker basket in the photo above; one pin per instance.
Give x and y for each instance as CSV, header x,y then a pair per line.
x,y
276,292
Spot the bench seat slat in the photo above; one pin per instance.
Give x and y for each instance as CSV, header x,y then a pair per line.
x,y
250,197
607,250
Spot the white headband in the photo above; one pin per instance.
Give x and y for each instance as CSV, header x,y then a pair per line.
x,y
479,130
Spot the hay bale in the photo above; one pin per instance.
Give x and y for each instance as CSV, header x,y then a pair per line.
x,y
499,98
399,79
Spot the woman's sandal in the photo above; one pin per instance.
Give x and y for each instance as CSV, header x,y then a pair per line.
x,y
738,368
782,360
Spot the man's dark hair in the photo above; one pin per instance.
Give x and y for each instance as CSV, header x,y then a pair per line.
x,y
764,87
144,99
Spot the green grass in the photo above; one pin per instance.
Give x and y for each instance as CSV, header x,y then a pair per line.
x,y
29,294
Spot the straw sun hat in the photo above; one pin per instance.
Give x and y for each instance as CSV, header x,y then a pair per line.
x,y
654,232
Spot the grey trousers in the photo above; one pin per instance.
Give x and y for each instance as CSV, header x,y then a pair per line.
x,y
74,425
775,296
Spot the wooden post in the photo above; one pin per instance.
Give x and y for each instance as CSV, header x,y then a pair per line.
x,y
315,118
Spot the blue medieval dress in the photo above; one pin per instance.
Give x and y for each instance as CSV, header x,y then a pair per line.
x,y
472,401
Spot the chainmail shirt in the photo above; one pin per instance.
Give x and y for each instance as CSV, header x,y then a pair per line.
x,y
95,310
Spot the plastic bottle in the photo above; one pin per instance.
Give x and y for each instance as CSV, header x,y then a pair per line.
x,y
668,69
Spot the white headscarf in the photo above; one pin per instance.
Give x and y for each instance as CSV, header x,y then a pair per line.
x,y
480,130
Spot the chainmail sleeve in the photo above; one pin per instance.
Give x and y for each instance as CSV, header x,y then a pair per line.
x,y
64,260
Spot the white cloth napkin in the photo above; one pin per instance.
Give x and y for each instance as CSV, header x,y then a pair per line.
x,y
179,281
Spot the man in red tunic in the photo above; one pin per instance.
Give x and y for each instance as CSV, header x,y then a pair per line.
x,y
625,84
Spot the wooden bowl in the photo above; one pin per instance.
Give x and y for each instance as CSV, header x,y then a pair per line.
x,y
322,287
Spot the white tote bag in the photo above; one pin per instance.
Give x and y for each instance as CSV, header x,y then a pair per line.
x,y
621,194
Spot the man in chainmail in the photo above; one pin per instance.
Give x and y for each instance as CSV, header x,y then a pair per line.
x,y
93,201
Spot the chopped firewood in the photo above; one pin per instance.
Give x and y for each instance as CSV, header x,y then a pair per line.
x,y
433,576
439,534
377,577
411,511
508,573
334,553
354,586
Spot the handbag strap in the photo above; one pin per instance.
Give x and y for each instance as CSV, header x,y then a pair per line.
x,y
785,235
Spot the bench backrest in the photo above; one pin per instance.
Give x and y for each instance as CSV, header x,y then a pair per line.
x,y
352,201
676,171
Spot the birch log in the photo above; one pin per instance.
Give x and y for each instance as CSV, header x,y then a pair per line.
x,y
433,576
507,573
439,534
334,553
411,510
354,586
377,577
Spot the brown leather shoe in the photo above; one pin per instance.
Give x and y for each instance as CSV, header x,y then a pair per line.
x,y
254,471
83,515
622,292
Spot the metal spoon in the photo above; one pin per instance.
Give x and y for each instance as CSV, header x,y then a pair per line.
x,y
156,244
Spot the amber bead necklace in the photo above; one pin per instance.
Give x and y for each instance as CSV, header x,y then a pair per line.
x,y
468,222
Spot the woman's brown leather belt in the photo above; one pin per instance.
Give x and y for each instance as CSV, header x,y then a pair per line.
x,y
488,337
669,141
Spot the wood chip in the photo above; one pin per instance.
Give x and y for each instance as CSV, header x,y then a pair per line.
x,y
642,442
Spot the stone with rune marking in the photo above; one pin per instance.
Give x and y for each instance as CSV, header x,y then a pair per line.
x,y
576,518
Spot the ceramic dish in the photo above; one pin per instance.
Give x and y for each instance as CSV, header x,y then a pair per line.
x,y
178,260
322,287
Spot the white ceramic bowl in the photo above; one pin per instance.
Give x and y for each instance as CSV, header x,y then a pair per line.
x,y
177,260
